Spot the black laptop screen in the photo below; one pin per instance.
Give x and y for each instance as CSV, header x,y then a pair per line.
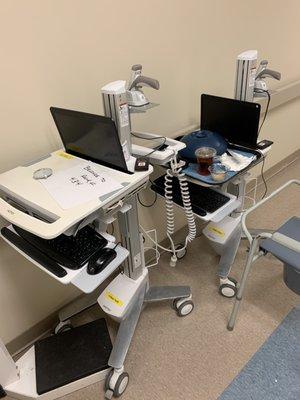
x,y
237,121
89,136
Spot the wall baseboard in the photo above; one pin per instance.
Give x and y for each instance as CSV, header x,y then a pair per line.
x,y
27,338
46,325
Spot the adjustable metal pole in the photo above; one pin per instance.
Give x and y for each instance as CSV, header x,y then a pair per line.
x,y
132,239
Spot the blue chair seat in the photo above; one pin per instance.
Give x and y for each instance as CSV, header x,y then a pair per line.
x,y
291,228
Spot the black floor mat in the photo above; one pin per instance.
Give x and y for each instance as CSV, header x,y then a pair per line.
x,y
63,358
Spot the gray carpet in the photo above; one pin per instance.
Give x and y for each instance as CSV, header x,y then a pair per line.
x,y
273,373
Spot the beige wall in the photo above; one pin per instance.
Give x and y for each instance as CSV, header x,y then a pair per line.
x,y
60,52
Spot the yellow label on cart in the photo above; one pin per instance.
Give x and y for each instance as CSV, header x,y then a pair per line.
x,y
217,231
114,299
65,155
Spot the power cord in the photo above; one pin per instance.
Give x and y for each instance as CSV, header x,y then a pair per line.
x,y
261,125
263,178
120,267
147,205
112,229
155,148
146,155
267,108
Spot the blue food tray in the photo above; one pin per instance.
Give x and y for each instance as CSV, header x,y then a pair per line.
x,y
192,171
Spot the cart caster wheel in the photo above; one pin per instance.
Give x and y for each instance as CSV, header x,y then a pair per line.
x,y
183,306
2,393
174,304
107,379
182,253
228,290
115,384
121,384
63,326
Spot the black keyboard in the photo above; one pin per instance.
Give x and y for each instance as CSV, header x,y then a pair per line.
x,y
33,253
69,251
204,200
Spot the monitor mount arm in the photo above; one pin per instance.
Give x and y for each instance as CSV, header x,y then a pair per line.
x,y
135,95
260,86
120,100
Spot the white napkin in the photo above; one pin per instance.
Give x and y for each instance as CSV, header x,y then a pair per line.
x,y
236,161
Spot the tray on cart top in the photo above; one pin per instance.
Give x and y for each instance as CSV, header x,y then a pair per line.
x,y
192,169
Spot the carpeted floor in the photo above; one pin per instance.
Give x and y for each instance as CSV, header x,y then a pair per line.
x,y
196,357
273,373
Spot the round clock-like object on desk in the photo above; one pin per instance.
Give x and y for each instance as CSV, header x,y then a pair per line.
x,y
42,173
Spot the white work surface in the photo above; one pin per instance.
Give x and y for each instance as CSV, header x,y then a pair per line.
x,y
20,185
80,184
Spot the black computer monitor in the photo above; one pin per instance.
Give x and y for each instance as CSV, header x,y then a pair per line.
x,y
89,136
237,121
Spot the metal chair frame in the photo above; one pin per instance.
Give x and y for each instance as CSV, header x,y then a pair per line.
x,y
255,252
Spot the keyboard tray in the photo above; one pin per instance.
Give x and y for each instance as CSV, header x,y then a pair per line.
x,y
227,205
79,278
69,251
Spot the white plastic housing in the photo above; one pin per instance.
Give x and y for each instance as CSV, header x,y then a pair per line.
x,y
116,87
245,75
221,231
117,297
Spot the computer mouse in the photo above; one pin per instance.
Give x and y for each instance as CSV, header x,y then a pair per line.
x,y
96,265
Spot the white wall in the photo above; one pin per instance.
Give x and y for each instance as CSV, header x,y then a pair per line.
x,y
60,52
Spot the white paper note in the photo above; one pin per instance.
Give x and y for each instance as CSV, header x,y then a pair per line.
x,y
79,184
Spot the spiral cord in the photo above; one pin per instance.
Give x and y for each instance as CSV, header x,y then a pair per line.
x,y
186,200
176,171
169,202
